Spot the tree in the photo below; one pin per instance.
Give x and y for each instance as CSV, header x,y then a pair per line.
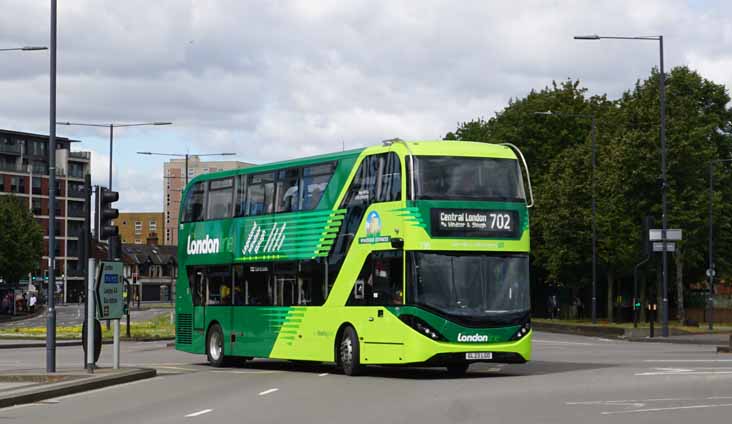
x,y
557,149
21,239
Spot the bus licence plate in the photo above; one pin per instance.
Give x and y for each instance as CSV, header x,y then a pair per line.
x,y
478,355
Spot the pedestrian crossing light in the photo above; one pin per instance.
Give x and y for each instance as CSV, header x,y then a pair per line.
x,y
106,213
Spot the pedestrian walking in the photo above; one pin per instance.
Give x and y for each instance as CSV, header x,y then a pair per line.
x,y
32,302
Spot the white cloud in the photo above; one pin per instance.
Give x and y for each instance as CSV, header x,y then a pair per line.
x,y
275,80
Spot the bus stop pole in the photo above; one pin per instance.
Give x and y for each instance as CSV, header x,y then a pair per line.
x,y
90,327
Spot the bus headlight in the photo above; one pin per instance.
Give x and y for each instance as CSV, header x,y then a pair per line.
x,y
421,326
522,331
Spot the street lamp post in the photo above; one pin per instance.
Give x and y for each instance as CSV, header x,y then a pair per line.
x,y
594,204
25,48
664,218
111,127
51,317
711,271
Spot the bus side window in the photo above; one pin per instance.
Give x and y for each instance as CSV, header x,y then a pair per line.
x,y
194,207
252,284
220,201
196,283
288,190
389,182
260,194
241,196
380,281
315,180
218,290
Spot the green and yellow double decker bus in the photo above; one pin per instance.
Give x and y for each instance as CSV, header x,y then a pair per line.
x,y
405,253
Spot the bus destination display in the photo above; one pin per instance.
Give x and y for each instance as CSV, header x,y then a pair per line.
x,y
474,223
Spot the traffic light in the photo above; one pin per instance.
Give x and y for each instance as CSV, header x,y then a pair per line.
x,y
106,213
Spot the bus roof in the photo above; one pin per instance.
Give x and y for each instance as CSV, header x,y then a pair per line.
x,y
422,147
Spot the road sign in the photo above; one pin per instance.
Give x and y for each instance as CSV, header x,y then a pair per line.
x,y
654,234
658,246
711,273
109,290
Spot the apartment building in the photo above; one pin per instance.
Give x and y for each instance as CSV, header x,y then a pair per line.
x,y
24,174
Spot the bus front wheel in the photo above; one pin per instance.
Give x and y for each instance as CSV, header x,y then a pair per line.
x,y
215,346
349,353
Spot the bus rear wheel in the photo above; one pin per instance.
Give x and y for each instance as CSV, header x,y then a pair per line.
x,y
457,370
349,356
215,346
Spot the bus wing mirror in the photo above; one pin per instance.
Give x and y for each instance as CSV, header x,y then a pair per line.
x,y
397,243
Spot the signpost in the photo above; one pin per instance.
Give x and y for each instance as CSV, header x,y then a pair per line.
x,y
661,244
109,294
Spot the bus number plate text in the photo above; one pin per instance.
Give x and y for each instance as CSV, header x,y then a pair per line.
x,y
479,355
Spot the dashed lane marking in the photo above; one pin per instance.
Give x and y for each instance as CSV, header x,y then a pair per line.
x,y
266,392
672,408
687,360
323,374
195,414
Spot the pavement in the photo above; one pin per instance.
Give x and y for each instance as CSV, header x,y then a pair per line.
x,y
570,380
29,386
634,334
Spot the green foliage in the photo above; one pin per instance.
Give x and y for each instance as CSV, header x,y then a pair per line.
x,y
558,149
21,239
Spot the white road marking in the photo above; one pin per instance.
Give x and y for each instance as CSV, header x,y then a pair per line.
x,y
266,392
638,403
195,414
246,372
687,360
719,397
673,408
176,368
323,374
683,371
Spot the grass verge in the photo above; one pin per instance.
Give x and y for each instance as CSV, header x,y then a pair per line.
x,y
159,327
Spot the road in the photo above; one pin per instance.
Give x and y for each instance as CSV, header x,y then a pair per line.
x,y
70,315
572,379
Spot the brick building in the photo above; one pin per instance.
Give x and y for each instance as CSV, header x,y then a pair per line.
x,y
139,227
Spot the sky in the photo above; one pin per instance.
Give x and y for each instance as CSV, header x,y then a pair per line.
x,y
273,80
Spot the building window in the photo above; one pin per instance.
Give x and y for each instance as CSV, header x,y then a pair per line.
x,y
37,206
36,186
138,241
76,170
17,185
138,228
153,226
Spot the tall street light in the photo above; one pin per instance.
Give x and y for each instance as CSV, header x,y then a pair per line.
x,y
25,49
711,271
51,316
186,155
664,186
111,127
591,116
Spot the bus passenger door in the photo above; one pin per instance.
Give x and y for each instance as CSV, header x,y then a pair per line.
x,y
199,296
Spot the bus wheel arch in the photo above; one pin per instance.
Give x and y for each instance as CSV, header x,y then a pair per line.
x,y
215,344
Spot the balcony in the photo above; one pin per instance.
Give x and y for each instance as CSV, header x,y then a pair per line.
x,y
80,155
13,149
